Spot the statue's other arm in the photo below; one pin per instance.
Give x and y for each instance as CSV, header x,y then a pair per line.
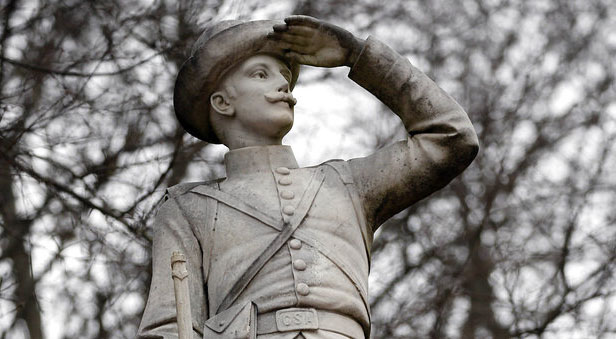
x,y
172,232
441,141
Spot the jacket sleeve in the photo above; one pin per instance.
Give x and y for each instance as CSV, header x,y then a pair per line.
x,y
173,232
441,140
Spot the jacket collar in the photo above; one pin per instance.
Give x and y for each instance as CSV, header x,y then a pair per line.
x,y
258,160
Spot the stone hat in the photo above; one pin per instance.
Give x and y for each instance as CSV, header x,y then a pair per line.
x,y
219,47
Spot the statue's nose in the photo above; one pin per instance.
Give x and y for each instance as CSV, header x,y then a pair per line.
x,y
284,85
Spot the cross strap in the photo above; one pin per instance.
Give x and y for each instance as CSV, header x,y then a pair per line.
x,y
339,261
287,231
239,205
344,172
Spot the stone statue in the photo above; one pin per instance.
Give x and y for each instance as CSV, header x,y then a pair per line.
x,y
273,250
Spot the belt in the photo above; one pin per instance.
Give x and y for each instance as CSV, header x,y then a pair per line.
x,y
298,319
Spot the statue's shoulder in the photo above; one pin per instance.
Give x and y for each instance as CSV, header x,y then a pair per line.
x,y
176,191
341,168
178,202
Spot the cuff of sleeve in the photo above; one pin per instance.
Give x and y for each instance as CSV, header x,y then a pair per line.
x,y
373,65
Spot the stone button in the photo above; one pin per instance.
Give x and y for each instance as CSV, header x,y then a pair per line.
x,y
295,244
302,289
288,210
299,265
285,181
287,194
283,170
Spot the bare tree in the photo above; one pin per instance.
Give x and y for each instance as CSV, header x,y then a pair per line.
x,y
522,245
87,146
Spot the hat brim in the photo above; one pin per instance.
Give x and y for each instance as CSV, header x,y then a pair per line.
x,y
199,75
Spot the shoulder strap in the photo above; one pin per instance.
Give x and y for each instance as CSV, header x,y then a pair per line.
x,y
210,228
216,194
282,237
207,216
342,168
179,189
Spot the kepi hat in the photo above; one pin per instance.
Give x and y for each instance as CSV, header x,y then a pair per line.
x,y
220,47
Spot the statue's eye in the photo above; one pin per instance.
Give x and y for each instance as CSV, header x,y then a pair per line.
x,y
259,74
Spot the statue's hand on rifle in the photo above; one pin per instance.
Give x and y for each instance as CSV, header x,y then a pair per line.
x,y
313,42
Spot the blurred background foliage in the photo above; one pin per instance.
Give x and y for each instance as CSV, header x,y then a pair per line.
x,y
523,244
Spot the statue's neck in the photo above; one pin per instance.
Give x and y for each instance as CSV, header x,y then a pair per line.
x,y
246,140
258,159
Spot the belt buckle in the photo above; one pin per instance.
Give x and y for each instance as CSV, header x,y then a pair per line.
x,y
290,319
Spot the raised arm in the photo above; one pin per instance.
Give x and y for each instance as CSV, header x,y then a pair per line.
x,y
441,141
173,233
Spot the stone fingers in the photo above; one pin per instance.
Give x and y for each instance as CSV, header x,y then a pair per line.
x,y
305,59
302,31
295,29
290,38
300,44
301,49
302,20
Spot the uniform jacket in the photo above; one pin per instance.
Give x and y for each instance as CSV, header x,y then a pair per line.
x,y
339,205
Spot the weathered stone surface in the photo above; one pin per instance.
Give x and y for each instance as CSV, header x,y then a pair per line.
x,y
276,250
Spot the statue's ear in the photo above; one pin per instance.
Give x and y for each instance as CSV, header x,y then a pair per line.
x,y
221,104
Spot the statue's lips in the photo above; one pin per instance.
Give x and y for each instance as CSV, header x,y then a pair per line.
x,y
274,97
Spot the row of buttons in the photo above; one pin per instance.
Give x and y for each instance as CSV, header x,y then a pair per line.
x,y
300,265
288,210
302,288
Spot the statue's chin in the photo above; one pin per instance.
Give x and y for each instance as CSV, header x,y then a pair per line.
x,y
273,124
281,124
287,121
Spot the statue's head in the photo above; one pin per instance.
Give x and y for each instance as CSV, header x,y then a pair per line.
x,y
235,78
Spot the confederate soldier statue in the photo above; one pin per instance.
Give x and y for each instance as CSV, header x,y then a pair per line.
x,y
274,250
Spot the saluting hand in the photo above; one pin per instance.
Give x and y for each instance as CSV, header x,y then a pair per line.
x,y
309,41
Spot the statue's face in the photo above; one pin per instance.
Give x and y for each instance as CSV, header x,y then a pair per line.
x,y
261,98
